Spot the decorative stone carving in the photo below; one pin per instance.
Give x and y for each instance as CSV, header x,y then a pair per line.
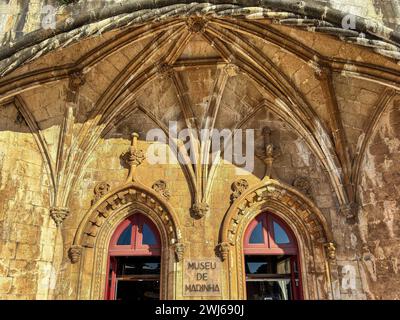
x,y
100,190
303,184
330,250
223,250
369,262
166,71
74,253
179,249
231,70
76,80
134,157
200,209
160,186
270,152
238,187
59,215
349,211
196,24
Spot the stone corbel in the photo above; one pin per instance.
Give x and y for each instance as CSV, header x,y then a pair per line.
x,y
179,249
74,253
59,215
76,81
200,209
222,250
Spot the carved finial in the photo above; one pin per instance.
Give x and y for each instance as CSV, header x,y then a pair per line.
x,y
134,157
160,186
200,209
238,187
179,249
59,215
223,250
330,250
303,184
196,24
74,253
100,190
269,155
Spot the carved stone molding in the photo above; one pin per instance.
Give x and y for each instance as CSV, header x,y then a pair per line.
x,y
74,253
59,215
223,250
238,187
100,190
303,184
161,187
330,249
179,249
120,198
200,209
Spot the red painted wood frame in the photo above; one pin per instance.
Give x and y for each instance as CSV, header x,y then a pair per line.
x,y
269,246
135,248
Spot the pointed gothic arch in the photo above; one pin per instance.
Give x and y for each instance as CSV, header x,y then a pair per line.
x,y
315,247
89,252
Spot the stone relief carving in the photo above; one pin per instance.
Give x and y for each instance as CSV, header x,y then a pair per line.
x,y
200,209
100,190
133,157
330,249
74,253
161,187
303,184
196,24
238,187
222,250
59,215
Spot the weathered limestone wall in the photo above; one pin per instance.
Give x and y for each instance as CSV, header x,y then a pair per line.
x,y
27,234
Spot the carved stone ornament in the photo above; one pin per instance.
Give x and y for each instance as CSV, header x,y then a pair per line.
x,y
196,24
238,187
166,71
223,250
303,184
59,215
179,249
74,253
160,186
330,250
100,190
231,70
200,209
135,157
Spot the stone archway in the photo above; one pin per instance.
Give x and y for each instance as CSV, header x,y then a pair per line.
x,y
316,249
89,252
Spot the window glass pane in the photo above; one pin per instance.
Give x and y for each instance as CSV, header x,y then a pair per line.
x,y
256,265
149,237
257,235
281,236
138,266
126,236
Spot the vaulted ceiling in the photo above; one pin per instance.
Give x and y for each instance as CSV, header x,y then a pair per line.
x,y
204,72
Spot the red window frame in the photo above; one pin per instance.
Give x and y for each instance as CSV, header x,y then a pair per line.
x,y
136,248
270,247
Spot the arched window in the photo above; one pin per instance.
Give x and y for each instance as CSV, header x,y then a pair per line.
x,y
271,260
134,261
